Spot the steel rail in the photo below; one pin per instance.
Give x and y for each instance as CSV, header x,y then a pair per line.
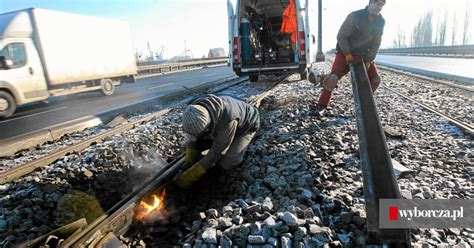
x,y
16,172
105,229
256,101
118,219
10,146
467,128
377,169
19,171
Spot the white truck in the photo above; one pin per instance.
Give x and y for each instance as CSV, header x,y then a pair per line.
x,y
45,53
256,44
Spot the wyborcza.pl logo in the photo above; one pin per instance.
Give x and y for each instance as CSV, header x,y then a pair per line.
x,y
409,214
418,213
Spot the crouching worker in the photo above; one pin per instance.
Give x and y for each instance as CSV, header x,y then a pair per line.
x,y
222,124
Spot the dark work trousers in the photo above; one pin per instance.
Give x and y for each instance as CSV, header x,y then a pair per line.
x,y
234,155
341,68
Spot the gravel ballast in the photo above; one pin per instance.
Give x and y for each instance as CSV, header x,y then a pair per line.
x,y
300,184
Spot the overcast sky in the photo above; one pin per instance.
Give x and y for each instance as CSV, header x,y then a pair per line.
x,y
203,23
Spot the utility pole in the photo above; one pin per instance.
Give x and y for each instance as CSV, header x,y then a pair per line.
x,y
150,52
320,54
185,50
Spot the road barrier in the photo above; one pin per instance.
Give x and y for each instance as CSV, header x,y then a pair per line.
x,y
461,50
150,70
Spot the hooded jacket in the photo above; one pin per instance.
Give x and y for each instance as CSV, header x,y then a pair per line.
x,y
230,118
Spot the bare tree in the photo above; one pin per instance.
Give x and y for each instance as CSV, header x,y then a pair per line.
x,y
454,31
423,32
437,38
427,29
442,29
416,35
467,24
400,39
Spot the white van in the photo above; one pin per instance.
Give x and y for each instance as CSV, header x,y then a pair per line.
x,y
256,45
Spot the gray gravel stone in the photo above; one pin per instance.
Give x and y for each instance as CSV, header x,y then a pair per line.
x,y
358,220
270,222
256,239
290,219
267,204
285,242
225,242
210,235
256,228
315,229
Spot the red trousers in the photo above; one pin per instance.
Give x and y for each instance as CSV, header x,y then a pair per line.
x,y
341,68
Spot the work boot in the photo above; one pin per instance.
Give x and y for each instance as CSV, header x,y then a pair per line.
x,y
317,110
324,98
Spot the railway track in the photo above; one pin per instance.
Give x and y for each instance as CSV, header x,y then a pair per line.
x,y
465,127
21,170
118,219
107,229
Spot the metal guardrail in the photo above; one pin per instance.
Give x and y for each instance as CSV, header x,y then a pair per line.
x,y
178,66
461,50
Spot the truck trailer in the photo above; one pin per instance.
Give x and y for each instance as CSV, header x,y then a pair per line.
x,y
46,53
272,36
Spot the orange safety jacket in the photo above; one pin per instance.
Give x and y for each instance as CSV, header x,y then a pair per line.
x,y
289,24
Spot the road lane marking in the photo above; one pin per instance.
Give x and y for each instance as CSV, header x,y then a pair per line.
x,y
95,114
212,74
159,86
169,77
39,113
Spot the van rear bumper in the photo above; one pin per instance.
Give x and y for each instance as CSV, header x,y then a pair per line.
x,y
269,69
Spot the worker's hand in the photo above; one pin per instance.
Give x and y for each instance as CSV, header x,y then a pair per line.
x,y
368,64
191,156
329,82
349,58
191,175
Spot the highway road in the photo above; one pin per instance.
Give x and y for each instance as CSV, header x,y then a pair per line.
x,y
454,66
61,109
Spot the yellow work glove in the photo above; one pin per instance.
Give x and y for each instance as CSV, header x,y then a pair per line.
x,y
191,156
191,175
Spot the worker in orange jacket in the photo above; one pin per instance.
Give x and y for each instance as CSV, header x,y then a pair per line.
x,y
290,24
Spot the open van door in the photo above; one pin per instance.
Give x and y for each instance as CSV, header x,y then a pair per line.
x,y
230,19
234,46
311,30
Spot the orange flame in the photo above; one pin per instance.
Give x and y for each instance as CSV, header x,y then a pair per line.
x,y
145,210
